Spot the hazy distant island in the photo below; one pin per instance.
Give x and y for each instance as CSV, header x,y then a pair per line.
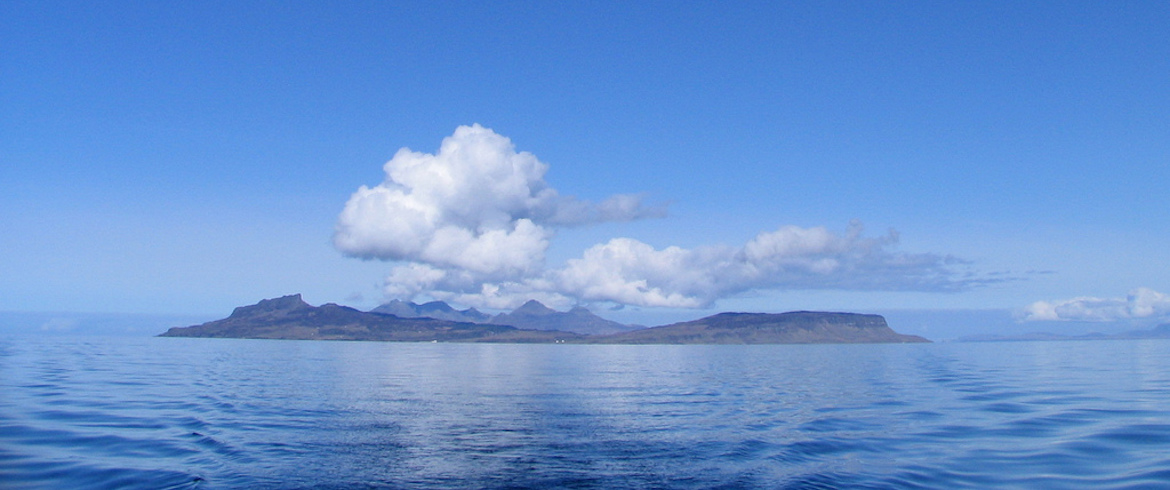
x,y
1159,332
290,318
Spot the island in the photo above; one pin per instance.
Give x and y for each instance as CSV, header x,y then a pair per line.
x,y
290,318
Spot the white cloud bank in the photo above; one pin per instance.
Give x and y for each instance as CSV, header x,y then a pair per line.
x,y
471,224
630,272
1140,303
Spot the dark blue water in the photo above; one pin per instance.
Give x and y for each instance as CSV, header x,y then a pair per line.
x,y
209,413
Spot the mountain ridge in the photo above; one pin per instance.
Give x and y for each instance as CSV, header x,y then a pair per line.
x,y
434,309
534,315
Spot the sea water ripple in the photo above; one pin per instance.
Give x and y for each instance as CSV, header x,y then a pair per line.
x,y
216,413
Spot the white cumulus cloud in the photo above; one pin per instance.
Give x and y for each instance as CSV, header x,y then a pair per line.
x,y
1140,303
477,206
471,224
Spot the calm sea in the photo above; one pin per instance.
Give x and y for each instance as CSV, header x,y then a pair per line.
x,y
212,413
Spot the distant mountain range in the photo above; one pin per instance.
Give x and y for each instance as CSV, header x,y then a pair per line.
x,y
435,309
534,315
289,317
1159,332
530,316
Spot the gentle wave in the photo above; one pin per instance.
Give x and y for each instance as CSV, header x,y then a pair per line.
x,y
210,413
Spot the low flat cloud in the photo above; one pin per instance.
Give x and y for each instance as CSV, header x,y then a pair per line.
x,y
630,272
471,224
1139,303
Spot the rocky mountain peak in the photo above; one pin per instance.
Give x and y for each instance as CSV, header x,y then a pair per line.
x,y
435,306
534,307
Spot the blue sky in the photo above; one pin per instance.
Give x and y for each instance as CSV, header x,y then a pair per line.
x,y
166,158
